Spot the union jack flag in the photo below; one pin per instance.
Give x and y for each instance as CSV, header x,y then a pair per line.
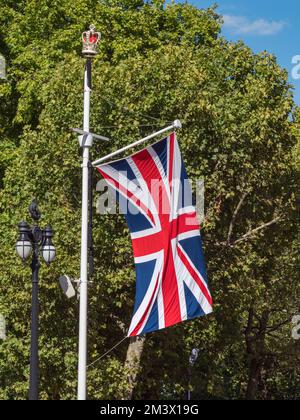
x,y
154,194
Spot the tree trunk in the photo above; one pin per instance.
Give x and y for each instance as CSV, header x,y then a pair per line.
x,y
256,366
255,335
132,363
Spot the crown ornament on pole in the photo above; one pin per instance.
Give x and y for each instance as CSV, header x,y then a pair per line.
x,y
90,40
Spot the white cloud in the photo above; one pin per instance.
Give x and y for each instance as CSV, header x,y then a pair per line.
x,y
241,25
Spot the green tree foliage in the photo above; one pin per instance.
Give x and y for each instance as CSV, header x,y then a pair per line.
x,y
240,130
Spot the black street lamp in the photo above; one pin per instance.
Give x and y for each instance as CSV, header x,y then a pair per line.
x,y
33,240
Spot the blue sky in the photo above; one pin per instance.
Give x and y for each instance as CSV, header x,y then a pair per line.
x,y
272,25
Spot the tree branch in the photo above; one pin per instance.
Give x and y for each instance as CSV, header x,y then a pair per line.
x,y
249,234
277,327
234,217
254,231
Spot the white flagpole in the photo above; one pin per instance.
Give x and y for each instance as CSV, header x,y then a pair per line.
x,y
82,352
176,124
90,40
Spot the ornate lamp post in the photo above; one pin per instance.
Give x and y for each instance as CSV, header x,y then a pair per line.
x,y
32,241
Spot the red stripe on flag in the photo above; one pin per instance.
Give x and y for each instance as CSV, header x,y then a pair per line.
x,y
128,194
195,276
170,290
151,175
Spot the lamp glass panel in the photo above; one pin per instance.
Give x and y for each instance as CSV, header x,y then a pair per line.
x,y
24,249
49,253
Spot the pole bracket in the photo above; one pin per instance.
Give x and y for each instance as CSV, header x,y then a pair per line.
x,y
85,141
86,138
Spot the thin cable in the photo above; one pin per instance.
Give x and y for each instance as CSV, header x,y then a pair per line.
x,y
105,354
118,126
133,112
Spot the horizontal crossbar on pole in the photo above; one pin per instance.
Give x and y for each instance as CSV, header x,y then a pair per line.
x,y
176,125
87,133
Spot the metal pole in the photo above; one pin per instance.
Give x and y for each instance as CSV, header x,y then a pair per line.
x,y
189,384
82,351
176,124
34,355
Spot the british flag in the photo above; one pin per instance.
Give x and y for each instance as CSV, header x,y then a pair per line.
x,y
155,196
